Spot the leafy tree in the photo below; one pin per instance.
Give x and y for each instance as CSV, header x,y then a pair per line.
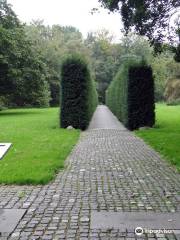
x,y
146,17
54,43
165,69
105,59
159,65
8,18
24,80
177,33
139,46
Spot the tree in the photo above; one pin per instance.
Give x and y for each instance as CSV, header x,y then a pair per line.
x,y
54,43
146,17
23,73
139,46
8,18
177,33
48,41
105,59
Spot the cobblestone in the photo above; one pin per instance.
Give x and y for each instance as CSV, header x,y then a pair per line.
x,y
108,170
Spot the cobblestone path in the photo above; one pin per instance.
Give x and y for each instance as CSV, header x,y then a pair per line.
x,y
104,119
108,170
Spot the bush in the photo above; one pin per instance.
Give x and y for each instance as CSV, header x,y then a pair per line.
x,y
55,94
130,96
174,102
2,104
78,93
5,102
177,54
172,92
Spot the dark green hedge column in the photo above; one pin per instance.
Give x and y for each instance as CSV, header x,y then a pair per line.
x,y
140,97
130,95
78,94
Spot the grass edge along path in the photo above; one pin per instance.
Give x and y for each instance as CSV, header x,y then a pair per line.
x,y
165,136
39,147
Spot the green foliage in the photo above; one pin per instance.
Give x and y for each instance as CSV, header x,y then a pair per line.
x,y
172,92
8,18
116,94
164,69
138,46
133,44
54,43
146,17
159,65
2,103
177,54
78,93
130,95
23,73
105,59
5,84
31,57
140,97
174,102
176,30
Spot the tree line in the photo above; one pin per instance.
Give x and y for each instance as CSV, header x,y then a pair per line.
x,y
31,57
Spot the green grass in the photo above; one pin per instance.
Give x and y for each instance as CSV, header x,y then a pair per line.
x,y
39,145
165,137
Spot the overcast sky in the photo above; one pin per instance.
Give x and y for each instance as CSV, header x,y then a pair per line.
x,y
68,12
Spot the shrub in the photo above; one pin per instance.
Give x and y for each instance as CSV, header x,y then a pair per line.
x,y
78,93
4,84
130,96
174,102
177,54
2,104
172,92
140,97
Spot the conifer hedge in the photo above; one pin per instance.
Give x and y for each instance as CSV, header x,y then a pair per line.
x,y
130,95
78,93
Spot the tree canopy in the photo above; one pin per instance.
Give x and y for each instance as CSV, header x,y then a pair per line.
x,y
31,57
146,17
8,18
22,71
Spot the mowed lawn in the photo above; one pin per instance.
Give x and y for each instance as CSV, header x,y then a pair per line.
x,y
39,145
165,137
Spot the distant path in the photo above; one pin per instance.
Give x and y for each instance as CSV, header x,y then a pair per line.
x,y
110,173
104,119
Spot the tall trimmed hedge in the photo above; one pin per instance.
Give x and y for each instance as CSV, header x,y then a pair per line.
x,y
78,93
130,95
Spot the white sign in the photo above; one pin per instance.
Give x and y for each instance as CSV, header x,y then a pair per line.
x,y
3,149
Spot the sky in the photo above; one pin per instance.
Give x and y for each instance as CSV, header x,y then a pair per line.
x,y
68,12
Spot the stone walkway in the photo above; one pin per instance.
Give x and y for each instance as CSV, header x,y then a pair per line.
x,y
104,119
109,170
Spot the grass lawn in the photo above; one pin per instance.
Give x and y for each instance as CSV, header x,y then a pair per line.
x,y
39,145
165,137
